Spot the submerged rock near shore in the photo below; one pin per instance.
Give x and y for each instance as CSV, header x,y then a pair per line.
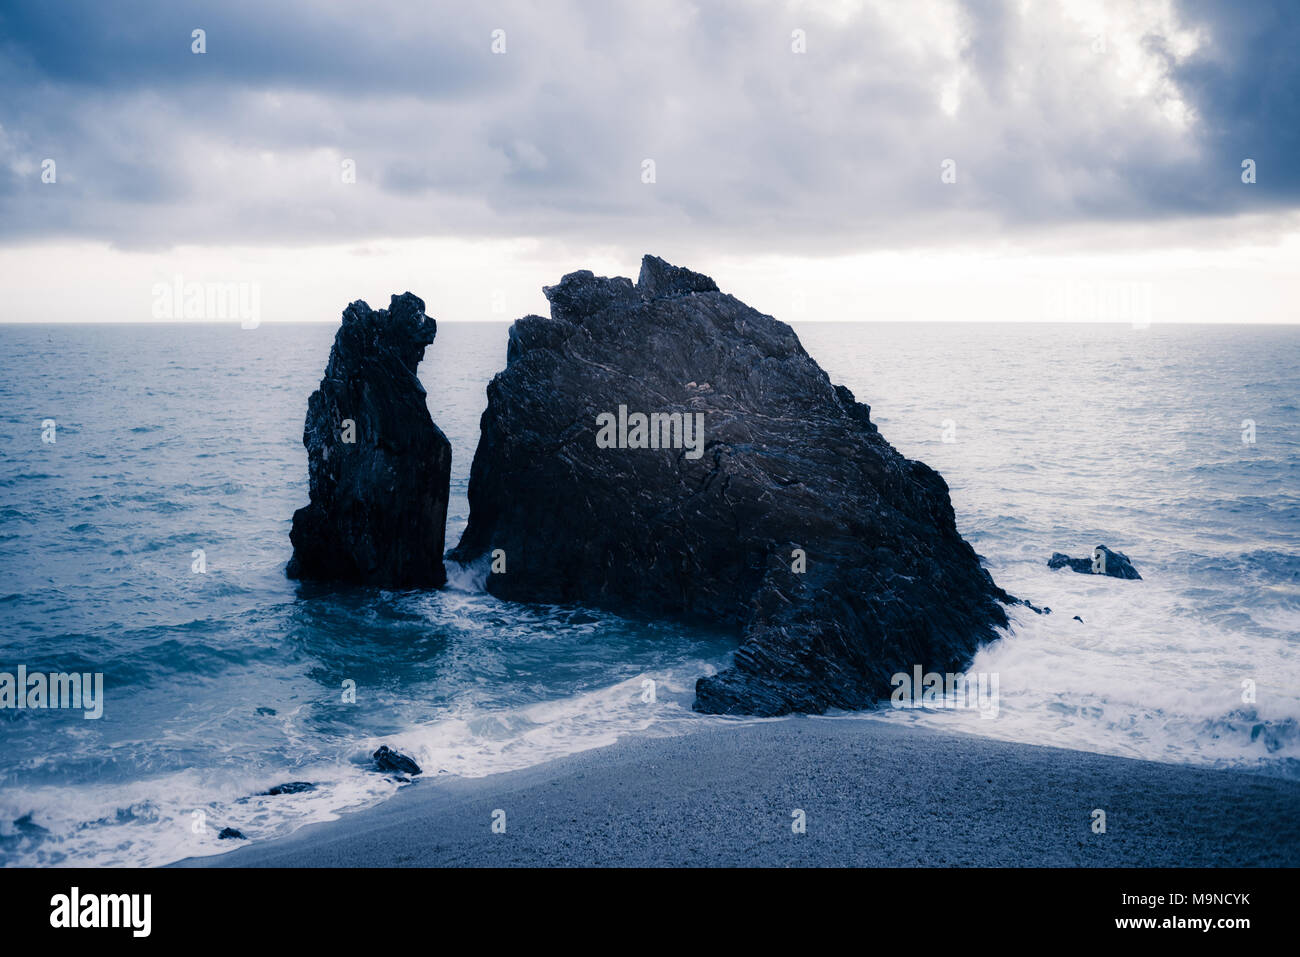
x,y
386,759
662,449
379,470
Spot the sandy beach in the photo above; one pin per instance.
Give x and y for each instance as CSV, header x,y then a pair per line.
x,y
871,793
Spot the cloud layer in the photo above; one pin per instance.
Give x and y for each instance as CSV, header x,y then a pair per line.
x,y
1054,115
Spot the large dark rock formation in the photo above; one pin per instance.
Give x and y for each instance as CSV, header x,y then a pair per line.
x,y
378,506
1107,562
789,466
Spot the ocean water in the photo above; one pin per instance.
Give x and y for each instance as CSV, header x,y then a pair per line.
x,y
221,684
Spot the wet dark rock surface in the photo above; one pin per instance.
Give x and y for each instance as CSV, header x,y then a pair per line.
x,y
791,519
378,506
1110,563
386,759
290,787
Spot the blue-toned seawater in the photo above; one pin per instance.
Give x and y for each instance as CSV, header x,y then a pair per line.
x,y
218,685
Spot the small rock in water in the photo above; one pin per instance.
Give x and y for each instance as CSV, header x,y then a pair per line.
x,y
1103,562
386,759
229,833
25,824
291,787
266,711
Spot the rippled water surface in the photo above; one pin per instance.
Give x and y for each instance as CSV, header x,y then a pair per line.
x,y
219,685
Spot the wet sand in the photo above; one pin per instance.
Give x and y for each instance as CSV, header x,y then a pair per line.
x,y
871,793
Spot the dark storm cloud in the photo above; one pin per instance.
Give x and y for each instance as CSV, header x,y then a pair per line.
x,y
753,145
1246,83
330,47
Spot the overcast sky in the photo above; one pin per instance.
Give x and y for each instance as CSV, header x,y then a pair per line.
x,y
1096,148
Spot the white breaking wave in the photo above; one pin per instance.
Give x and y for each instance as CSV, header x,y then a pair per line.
x,y
148,823
1135,678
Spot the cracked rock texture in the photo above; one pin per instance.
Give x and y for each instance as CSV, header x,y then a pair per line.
x,y
792,466
378,507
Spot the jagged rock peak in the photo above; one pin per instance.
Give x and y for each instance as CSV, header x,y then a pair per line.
x,y
378,468
582,293
660,280
663,449
402,330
